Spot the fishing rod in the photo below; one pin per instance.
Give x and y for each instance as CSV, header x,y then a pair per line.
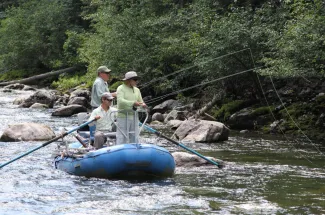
x,y
219,165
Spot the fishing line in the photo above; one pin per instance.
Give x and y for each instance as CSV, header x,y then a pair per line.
x,y
303,133
228,76
285,136
259,81
198,85
190,67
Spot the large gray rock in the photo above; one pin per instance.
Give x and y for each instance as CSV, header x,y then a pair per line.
x,y
157,117
80,93
248,119
41,96
69,110
174,123
174,114
78,101
166,105
202,131
190,160
27,132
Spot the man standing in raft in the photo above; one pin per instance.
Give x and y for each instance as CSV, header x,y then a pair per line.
x,y
128,100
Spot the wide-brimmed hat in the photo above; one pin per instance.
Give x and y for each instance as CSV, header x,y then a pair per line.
x,y
107,95
103,69
130,75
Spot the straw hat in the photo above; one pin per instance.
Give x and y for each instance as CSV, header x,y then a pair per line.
x,y
130,75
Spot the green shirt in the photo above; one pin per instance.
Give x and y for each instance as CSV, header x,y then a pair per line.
x,y
126,96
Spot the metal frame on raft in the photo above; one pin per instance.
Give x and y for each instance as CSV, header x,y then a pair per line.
x,y
135,120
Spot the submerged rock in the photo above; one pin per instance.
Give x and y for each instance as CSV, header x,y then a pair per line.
x,y
16,86
190,160
39,106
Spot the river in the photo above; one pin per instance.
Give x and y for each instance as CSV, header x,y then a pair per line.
x,y
263,175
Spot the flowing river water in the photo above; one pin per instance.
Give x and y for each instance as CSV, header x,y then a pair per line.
x,y
262,176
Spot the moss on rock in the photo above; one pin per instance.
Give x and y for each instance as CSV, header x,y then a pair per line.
x,y
227,109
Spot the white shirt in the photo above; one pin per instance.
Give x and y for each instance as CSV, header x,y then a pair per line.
x,y
105,122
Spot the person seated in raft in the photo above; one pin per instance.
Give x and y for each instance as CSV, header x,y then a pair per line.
x,y
104,118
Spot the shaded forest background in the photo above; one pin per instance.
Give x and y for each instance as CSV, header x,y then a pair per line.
x,y
191,41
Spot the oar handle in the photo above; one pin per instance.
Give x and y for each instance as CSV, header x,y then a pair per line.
x,y
181,145
80,140
46,143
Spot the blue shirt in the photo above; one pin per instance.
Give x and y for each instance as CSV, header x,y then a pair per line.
x,y
99,87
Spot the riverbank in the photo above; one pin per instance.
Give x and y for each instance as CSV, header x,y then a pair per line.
x,y
293,108
290,107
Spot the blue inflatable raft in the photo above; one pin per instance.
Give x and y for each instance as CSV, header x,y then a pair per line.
x,y
120,161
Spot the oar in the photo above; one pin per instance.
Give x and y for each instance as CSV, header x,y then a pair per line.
x,y
48,142
80,141
181,145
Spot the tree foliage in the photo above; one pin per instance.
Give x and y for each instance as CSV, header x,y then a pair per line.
x,y
298,49
33,34
165,37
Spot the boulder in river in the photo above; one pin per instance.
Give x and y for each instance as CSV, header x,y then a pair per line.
x,y
69,110
202,131
166,105
41,96
80,93
78,101
27,132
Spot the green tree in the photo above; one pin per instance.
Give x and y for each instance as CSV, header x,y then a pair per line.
x,y
298,50
33,34
144,36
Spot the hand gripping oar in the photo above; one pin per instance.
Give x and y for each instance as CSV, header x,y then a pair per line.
x,y
181,145
48,142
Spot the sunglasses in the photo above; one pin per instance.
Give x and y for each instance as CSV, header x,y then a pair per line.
x,y
108,99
